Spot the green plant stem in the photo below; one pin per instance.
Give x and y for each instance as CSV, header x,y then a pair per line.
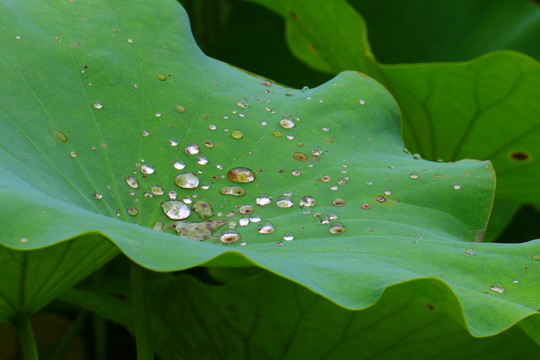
x,y
57,351
141,314
26,337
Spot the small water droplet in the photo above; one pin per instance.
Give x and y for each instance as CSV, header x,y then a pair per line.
x,y
535,257
161,77
305,88
229,236
326,129
130,41
145,133
187,200
148,194
172,195
192,149
202,160
362,102
366,206
469,252
158,114
381,199
132,182
98,104
369,183
243,221
157,190
296,172
241,175
98,195
277,133
413,176
242,103
60,136
316,151
332,216
334,188
342,181
337,228
212,127
288,236
265,227
179,165
326,178
300,156
263,200
284,202
497,287
286,121
180,109
175,209
133,211
339,202
515,281
246,209
147,169
387,192
232,190
290,137
173,142
187,180
457,187
307,201
263,123
237,134
255,218
324,219
158,226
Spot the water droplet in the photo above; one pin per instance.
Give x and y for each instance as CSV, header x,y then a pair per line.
x,y
158,226
286,121
98,195
203,208
157,190
172,195
339,202
243,221
237,134
326,178
161,77
180,109
158,114
307,201
366,206
381,199
187,180
457,187
133,211
263,123
515,281
387,192
130,41
229,236
305,88
179,165
469,252
535,257
326,129
369,183
212,127
277,133
98,104
147,169
263,200
60,136
18,37
265,228
288,236
362,102
131,193
324,219
132,182
173,142
342,181
332,216
337,228
413,176
192,149
284,202
316,151
241,175
148,194
333,188
73,154
202,160
296,172
242,103
290,137
145,133
232,190
300,156
497,287
246,209
175,209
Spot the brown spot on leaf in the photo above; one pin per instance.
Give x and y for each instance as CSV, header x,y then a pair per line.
x,y
520,155
430,307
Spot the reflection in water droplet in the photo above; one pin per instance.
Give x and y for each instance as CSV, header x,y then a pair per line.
x,y
173,142
133,211
175,209
147,169
324,219
187,180
316,151
457,187
286,121
161,77
337,228
157,190
497,287
366,206
263,200
232,190
98,104
179,165
237,134
339,202
132,182
387,192
73,154
241,175
229,236
60,136
98,195
413,176
307,201
242,103
172,195
246,209
469,252
265,228
288,236
332,216
254,218
212,127
284,202
243,221
202,160
180,109
381,199
296,172
326,178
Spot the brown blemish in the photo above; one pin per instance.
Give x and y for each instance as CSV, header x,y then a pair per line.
x,y
520,155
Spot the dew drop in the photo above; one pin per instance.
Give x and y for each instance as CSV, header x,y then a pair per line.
x,y
339,202
73,154
324,219
255,218
300,156
286,121
241,175
98,104
158,226
202,160
413,176
145,133
212,127
290,137
284,202
187,180
98,195
130,41
387,192
203,208
133,211
237,134
179,165
229,236
243,221
60,136
332,216
172,195
147,169
469,252
366,206
288,236
342,181
148,194
333,188
307,201
232,190
186,200
326,129
173,142
242,103
296,172
192,149
381,199
337,228
362,102
158,114
277,133
157,190
246,209
175,209
497,287
265,227
263,200
457,187
326,178
263,123
180,109
132,182
161,77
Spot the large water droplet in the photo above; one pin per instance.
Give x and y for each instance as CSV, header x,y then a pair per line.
x,y
284,202
263,200
232,190
192,149
147,169
265,227
286,121
187,180
246,209
241,175
242,103
307,201
175,209
132,182
203,208
243,221
337,228
229,236
497,287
